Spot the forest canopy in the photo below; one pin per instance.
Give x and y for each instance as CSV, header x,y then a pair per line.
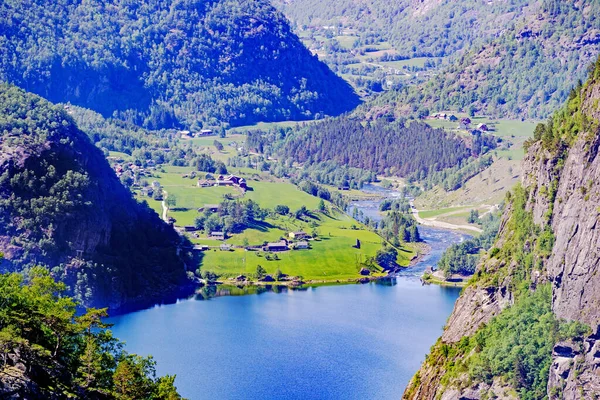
x,y
168,63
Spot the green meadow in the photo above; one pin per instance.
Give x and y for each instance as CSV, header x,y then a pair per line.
x,y
331,257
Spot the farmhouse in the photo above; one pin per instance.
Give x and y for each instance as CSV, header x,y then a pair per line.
x,y
205,183
464,123
217,235
233,178
483,127
230,180
301,245
298,235
185,134
205,132
452,118
279,246
225,247
190,228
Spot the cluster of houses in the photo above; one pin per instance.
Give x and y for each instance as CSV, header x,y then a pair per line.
x,y
121,168
444,116
230,180
298,241
463,123
201,133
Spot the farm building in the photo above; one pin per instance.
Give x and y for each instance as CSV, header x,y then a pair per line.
x,y
298,235
301,245
217,235
205,183
279,246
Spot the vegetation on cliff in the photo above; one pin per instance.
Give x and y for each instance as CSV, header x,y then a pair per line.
x,y
47,351
168,63
62,206
514,349
515,346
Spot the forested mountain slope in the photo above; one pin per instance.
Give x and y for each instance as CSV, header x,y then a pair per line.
x,y
168,62
62,206
386,148
516,59
528,324
526,72
425,28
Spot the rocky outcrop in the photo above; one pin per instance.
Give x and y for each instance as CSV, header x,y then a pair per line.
x,y
62,206
575,371
562,181
475,307
575,263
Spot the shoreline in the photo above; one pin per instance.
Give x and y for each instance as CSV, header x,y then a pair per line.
x,y
423,250
435,279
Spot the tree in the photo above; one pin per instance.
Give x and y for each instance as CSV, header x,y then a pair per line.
x,y
282,209
218,145
278,274
171,200
386,257
302,211
414,236
472,111
322,206
40,329
473,217
126,179
260,272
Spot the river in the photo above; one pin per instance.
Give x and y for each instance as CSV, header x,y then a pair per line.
x,y
330,342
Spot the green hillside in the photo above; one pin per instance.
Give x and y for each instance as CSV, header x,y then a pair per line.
x,y
168,63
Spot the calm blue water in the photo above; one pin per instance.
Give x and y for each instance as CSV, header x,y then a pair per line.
x,y
339,342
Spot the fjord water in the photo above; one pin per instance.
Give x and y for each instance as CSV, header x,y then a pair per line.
x,y
337,342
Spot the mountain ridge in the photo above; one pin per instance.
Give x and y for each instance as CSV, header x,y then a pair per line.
x,y
169,63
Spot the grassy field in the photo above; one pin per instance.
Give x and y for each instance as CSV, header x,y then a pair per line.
x,y
347,42
490,186
331,258
119,156
270,194
438,212
266,126
189,197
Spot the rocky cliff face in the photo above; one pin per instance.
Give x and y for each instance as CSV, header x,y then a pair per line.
x,y
562,180
62,206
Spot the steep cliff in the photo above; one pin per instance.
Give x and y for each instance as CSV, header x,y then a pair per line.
x,y
528,324
62,206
